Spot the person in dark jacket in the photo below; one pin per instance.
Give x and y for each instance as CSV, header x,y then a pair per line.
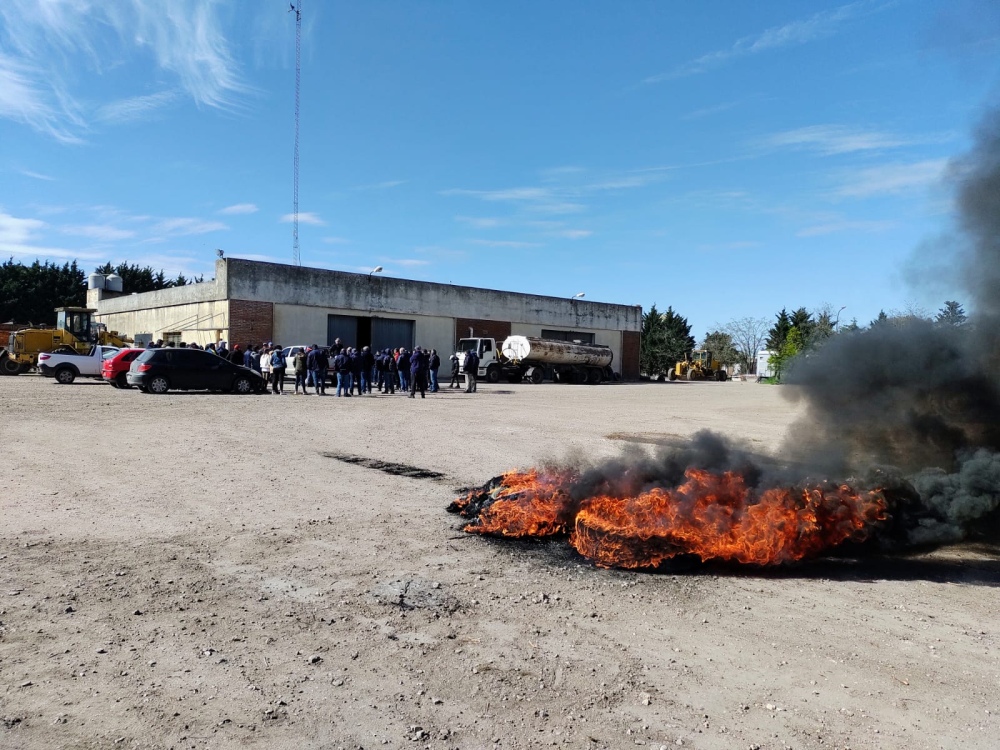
x,y
456,368
355,361
403,362
278,365
471,367
418,373
391,371
367,368
236,355
342,368
433,365
316,364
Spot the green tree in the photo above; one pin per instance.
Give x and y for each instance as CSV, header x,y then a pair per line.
x,y
851,327
791,347
779,331
30,294
666,338
951,314
721,345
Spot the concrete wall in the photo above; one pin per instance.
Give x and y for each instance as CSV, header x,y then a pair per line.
x,y
361,293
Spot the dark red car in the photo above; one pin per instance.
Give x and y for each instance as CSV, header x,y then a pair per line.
x,y
113,369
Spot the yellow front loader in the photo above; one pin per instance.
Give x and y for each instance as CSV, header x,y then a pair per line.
x,y
75,331
699,366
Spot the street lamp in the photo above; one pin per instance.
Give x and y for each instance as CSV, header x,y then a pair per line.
x,y
377,269
578,295
836,321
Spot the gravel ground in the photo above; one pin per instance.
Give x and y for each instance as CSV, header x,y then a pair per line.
x,y
198,570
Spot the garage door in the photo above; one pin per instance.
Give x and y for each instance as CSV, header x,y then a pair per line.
x,y
389,333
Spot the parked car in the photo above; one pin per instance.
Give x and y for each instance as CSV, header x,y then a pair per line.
x,y
159,370
67,366
114,367
291,351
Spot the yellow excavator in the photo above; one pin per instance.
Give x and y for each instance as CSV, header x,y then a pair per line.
x,y
76,331
699,366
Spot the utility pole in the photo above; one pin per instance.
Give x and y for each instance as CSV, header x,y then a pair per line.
x,y
297,10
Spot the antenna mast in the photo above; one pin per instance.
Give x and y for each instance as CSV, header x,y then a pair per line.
x,y
296,258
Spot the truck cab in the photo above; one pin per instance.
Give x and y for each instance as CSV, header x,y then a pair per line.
x,y
486,348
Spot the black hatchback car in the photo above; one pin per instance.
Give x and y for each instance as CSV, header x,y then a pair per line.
x,y
159,370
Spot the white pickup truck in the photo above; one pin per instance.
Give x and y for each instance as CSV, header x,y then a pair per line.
x,y
67,367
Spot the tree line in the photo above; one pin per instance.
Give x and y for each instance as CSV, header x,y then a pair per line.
x,y
29,294
667,339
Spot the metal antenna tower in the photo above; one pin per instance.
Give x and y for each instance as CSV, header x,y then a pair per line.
x,y
297,10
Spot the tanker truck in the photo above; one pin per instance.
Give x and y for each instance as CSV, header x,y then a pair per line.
x,y
536,360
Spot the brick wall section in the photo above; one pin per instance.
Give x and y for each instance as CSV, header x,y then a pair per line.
x,y
630,355
250,322
496,329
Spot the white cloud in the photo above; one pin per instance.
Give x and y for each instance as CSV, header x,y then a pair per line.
x,y
890,179
37,175
793,33
49,44
407,262
504,243
239,208
845,225
480,222
836,139
186,226
98,232
304,218
134,108
572,234
16,231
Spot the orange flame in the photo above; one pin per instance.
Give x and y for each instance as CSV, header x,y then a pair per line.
x,y
712,516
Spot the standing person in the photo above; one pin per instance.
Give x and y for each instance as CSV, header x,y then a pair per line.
x,y
341,367
367,368
471,368
433,365
236,355
354,358
456,368
418,372
265,365
247,356
391,372
255,359
313,365
403,362
299,366
324,367
221,350
278,365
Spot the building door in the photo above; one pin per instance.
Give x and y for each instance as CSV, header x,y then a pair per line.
x,y
343,327
390,333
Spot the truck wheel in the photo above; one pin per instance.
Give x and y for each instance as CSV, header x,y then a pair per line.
x,y
158,385
121,380
722,376
65,375
536,375
593,376
672,375
10,366
493,373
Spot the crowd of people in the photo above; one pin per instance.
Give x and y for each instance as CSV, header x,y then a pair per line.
x,y
354,371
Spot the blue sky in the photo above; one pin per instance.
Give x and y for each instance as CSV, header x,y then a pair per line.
x,y
725,158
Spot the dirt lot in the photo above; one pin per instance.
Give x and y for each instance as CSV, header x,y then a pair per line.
x,y
195,571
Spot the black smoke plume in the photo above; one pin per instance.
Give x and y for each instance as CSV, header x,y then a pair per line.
x,y
919,399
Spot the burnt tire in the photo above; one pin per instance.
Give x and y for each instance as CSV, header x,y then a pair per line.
x,y
493,374
65,375
242,386
158,385
121,381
